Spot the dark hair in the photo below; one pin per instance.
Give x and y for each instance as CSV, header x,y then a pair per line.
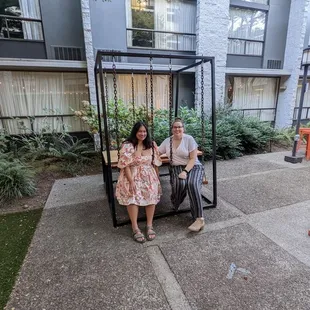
x,y
147,142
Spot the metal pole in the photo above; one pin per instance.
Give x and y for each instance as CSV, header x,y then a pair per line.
x,y
213,117
302,95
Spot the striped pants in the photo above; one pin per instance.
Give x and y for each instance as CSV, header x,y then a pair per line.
x,y
192,185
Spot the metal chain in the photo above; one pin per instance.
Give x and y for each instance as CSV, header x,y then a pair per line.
x,y
116,106
203,134
152,99
133,98
146,101
170,109
106,97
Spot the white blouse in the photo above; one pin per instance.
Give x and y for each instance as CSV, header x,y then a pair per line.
x,y
180,156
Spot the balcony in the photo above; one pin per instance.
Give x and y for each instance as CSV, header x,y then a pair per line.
x,y
163,40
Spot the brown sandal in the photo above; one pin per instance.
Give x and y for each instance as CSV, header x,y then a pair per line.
x,y
138,236
149,231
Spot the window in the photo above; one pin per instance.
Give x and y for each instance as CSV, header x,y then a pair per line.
x,y
20,19
41,94
161,24
246,32
254,96
305,113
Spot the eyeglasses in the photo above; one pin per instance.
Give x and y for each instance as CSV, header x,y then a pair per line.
x,y
177,127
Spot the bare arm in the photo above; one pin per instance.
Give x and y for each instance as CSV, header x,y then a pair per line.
x,y
192,160
157,170
128,174
132,185
190,164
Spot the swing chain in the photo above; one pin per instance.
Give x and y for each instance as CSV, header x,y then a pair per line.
x,y
170,108
116,107
106,86
133,98
152,99
106,95
146,101
202,113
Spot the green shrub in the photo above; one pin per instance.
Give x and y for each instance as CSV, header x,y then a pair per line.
x,y
285,136
236,134
71,149
125,120
254,134
62,147
16,179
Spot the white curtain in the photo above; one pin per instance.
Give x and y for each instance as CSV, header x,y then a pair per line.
x,y
175,16
34,94
255,93
236,46
31,9
248,25
124,89
129,22
306,102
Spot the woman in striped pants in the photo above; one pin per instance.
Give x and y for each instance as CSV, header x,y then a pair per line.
x,y
186,172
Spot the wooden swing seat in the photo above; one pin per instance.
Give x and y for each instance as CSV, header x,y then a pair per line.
x,y
114,160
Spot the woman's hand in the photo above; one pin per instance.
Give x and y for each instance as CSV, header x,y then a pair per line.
x,y
183,175
132,187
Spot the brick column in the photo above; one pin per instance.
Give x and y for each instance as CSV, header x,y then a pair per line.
x,y
212,40
89,50
293,53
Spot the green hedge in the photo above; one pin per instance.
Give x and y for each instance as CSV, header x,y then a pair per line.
x,y
236,135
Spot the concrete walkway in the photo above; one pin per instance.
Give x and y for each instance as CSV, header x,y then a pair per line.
x,y
254,252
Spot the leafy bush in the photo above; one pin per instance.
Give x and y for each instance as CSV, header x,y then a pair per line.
x,y
62,147
125,120
88,114
235,133
16,179
284,136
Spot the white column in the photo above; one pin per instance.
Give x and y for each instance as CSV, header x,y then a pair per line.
x,y
89,50
212,40
292,58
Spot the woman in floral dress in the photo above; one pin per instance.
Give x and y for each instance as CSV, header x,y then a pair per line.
x,y
138,183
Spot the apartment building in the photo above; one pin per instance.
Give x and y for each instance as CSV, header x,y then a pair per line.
x,y
47,51
43,72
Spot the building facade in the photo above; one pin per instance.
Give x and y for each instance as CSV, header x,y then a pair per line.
x,y
43,72
47,52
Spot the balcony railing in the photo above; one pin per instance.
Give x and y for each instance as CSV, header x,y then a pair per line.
x,y
20,28
263,114
27,123
157,39
245,47
305,113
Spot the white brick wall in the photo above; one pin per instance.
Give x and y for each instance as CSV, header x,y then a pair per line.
x,y
293,52
212,40
89,50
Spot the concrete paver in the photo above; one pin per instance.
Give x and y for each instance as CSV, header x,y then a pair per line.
x,y
269,278
77,260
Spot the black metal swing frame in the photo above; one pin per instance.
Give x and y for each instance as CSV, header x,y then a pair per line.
x,y
107,163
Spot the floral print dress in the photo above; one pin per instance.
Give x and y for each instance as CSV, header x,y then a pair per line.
x,y
148,189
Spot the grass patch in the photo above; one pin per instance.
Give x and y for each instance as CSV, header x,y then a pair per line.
x,y
16,231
